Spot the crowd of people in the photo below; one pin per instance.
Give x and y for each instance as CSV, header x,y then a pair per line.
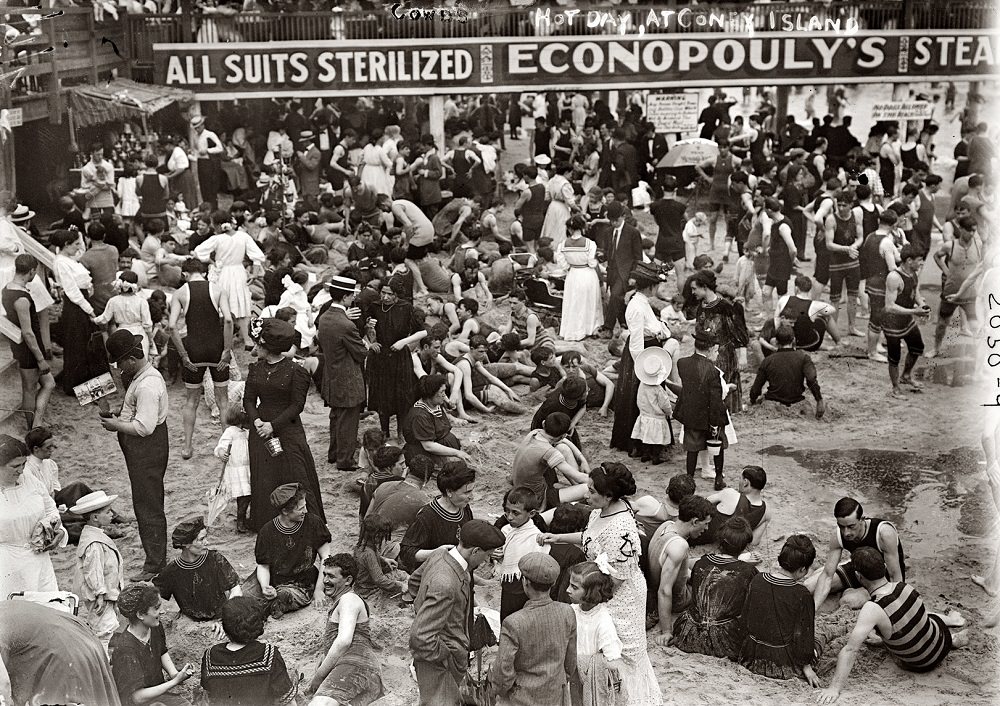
x,y
369,264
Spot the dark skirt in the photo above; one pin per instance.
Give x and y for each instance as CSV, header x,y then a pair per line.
x,y
84,356
729,364
624,401
390,381
294,464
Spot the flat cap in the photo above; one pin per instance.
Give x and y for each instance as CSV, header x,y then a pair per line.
x,y
480,534
187,531
539,567
283,493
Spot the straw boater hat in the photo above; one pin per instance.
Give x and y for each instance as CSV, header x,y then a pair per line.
x,y
653,366
21,214
198,121
343,284
92,502
542,160
305,136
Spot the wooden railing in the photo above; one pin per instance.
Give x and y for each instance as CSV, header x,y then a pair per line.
x,y
144,30
63,51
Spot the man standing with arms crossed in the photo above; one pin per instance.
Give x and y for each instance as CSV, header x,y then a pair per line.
x,y
343,389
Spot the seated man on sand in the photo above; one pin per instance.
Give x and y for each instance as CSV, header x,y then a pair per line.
x,y
854,530
787,372
916,639
481,389
810,320
669,570
747,502
543,453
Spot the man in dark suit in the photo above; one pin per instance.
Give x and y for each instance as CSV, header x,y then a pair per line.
x,y
606,150
700,405
624,164
623,249
439,633
343,387
651,148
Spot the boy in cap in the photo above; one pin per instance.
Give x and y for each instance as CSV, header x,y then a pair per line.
x,y
537,653
439,635
99,574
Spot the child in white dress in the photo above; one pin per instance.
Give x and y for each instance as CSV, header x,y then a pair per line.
x,y
598,646
233,447
652,427
129,310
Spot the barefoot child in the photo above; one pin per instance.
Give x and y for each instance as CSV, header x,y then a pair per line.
x,y
233,447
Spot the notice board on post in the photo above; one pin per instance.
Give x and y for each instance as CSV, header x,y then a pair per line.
x,y
673,112
902,110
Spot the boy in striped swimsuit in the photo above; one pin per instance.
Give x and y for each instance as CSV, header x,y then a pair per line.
x,y
917,639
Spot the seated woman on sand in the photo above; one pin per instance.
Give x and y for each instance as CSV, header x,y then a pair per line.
x,y
719,582
200,579
244,670
286,578
778,618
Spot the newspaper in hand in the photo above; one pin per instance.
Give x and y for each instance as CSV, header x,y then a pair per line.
x,y
96,388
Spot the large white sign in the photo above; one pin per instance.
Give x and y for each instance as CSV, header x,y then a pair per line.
x,y
673,112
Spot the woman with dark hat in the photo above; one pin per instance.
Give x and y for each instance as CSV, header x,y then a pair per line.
x,y
286,578
200,579
645,330
394,325
722,319
274,396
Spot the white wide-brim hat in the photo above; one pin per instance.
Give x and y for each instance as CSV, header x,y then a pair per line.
x,y
92,502
653,366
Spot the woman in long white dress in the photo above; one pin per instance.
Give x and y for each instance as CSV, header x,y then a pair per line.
x,y
612,540
24,503
583,310
230,248
562,199
376,166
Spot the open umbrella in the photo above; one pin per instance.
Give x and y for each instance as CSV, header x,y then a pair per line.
x,y
689,153
218,497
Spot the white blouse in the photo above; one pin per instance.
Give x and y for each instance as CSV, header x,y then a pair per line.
x,y
642,324
74,280
178,160
595,632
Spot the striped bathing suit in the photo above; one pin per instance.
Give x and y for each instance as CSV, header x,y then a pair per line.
x,y
920,641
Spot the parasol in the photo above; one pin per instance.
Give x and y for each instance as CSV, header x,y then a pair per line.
x,y
218,497
689,153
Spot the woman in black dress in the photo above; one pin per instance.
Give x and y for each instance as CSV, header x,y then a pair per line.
x,y
275,393
645,330
393,325
722,318
427,426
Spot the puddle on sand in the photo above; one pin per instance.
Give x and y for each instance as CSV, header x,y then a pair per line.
x,y
933,499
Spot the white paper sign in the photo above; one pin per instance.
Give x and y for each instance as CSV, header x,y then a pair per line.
x,y
902,110
673,112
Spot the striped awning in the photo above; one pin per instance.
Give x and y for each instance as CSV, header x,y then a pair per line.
x,y
122,99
